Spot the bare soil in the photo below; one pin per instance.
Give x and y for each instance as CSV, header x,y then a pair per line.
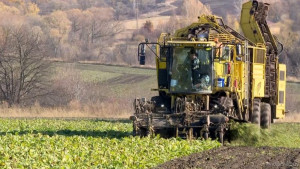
x,y
128,79
238,157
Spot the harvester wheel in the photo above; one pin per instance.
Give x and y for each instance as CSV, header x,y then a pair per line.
x,y
256,112
142,132
265,115
205,135
135,132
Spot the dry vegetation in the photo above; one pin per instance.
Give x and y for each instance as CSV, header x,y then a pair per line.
x,y
74,109
291,118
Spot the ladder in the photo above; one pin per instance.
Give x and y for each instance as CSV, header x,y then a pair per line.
x,y
260,16
246,75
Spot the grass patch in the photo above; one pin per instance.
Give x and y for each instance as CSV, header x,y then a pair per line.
x,y
104,75
95,76
115,69
279,135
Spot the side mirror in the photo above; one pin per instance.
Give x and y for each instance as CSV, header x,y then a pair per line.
x,y
142,54
142,51
142,59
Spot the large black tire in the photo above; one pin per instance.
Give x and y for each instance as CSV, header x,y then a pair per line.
x,y
265,115
256,112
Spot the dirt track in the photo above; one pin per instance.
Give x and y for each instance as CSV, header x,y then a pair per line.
x,y
127,79
238,157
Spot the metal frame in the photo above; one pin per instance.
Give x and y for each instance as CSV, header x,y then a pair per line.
x,y
140,46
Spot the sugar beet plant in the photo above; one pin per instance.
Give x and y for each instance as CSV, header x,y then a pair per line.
x,y
44,143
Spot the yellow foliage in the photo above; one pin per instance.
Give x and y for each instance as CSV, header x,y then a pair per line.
x,y
103,13
55,33
19,2
20,7
32,8
37,30
9,9
59,24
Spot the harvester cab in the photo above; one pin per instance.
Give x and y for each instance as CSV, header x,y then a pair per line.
x,y
191,68
189,65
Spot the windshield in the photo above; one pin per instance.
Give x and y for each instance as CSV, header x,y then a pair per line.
x,y
191,70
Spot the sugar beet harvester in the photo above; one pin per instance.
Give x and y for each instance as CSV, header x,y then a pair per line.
x,y
208,73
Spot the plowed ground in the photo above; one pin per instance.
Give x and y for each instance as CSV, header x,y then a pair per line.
x,y
238,157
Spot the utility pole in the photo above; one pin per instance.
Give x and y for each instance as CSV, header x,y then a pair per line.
x,y
136,9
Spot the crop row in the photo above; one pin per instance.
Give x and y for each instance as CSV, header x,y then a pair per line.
x,y
86,144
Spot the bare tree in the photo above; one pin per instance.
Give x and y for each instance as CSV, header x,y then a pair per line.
x,y
102,25
85,4
191,9
23,67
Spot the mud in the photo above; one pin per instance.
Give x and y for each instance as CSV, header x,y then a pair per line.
x,y
238,157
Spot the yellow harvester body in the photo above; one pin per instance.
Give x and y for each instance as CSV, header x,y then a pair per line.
x,y
208,73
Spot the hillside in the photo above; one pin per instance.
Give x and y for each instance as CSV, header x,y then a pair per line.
x,y
222,8
126,83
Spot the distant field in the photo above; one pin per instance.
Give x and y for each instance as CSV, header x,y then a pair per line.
x,y
103,91
126,83
111,91
119,81
137,82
